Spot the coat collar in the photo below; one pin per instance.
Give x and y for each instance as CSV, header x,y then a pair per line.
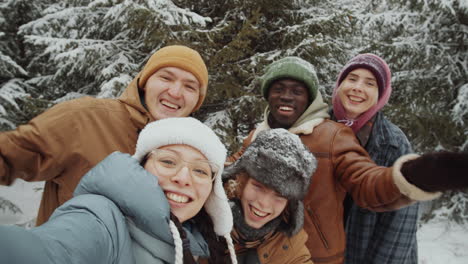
x,y
131,99
313,116
147,247
116,178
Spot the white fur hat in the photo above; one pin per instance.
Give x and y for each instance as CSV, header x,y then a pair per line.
x,y
191,132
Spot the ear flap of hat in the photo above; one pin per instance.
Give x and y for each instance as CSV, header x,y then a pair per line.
x,y
295,219
232,170
218,208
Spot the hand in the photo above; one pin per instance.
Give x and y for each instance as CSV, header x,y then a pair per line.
x,y
439,171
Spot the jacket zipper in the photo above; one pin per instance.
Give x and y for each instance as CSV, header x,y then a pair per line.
x,y
317,227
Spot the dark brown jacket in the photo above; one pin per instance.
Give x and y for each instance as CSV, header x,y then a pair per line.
x,y
280,249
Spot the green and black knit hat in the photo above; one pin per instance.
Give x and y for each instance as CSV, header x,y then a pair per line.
x,y
293,68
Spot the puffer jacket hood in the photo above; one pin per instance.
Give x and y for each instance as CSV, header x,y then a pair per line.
x,y
117,178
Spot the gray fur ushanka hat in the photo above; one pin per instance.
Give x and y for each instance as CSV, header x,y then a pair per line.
x,y
279,160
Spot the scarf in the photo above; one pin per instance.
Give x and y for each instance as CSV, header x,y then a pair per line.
x,y
245,236
313,116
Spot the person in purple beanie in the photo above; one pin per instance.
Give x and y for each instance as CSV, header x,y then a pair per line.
x,y
363,88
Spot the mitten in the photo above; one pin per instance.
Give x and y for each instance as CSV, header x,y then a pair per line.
x,y
440,171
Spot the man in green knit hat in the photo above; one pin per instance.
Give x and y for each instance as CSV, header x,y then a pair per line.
x,y
290,86
297,79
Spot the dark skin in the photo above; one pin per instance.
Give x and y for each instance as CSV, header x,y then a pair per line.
x,y
288,99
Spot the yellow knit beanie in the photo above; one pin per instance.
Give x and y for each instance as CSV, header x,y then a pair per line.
x,y
181,57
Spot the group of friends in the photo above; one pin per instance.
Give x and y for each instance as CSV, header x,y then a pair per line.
x,y
136,180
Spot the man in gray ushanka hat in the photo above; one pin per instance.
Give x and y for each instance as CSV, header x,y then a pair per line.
x,y
266,188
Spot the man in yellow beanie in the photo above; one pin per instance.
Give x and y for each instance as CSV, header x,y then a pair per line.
x,y
60,145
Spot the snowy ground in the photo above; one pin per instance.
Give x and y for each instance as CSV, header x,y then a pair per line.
x,y
443,242
27,196
440,241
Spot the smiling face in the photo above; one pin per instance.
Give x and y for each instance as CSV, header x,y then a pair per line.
x,y
287,99
171,92
260,204
358,92
185,193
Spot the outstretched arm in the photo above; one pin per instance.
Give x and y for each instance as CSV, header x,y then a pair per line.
x,y
36,151
87,229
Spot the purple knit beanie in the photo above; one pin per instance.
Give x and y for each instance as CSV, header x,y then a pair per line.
x,y
381,72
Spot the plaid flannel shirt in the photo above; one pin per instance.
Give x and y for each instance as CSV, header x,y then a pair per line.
x,y
388,237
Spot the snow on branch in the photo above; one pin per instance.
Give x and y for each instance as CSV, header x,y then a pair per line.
x,y
6,122
9,92
460,110
111,88
166,10
66,22
9,68
103,59
174,15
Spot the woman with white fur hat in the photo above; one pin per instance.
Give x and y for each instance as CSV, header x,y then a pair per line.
x,y
166,204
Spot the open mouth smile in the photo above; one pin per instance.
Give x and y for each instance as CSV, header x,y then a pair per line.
x,y
257,212
285,109
178,198
170,105
355,99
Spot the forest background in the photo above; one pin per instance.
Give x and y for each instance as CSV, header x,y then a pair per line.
x,y
53,51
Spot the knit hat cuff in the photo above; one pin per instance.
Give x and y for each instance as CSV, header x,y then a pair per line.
x,y
179,62
379,78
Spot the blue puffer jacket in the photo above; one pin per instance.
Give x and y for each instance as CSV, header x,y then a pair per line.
x,y
119,215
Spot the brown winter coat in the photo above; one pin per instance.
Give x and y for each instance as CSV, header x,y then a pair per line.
x,y
62,144
343,166
280,249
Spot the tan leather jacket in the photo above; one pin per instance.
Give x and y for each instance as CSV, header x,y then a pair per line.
x,y
281,249
60,145
343,166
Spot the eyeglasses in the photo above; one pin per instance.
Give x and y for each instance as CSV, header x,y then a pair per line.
x,y
169,163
